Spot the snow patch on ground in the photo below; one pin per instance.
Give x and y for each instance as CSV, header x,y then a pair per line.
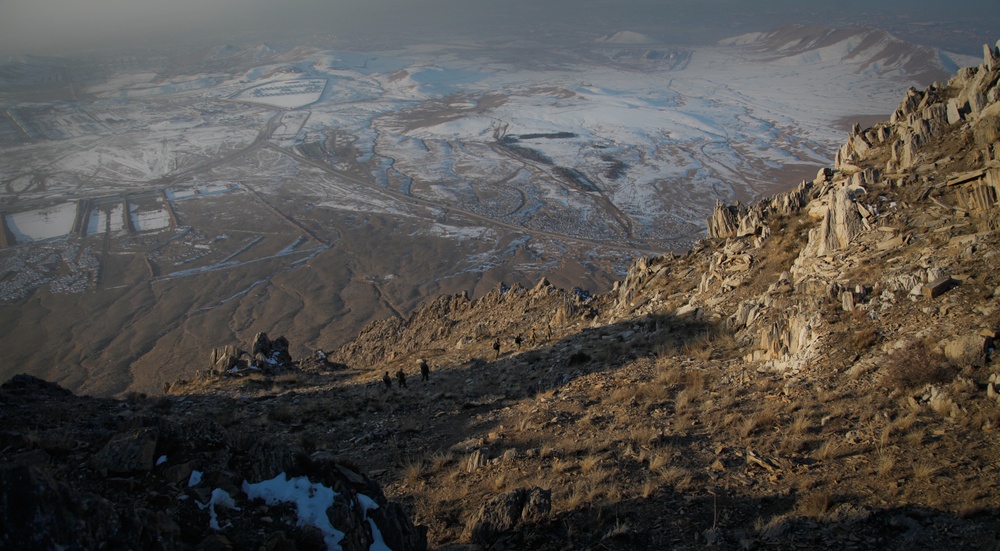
x,y
311,501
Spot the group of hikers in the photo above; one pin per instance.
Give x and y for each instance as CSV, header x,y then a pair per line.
x,y
425,368
425,375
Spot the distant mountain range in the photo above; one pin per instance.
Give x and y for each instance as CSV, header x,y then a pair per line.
x,y
873,51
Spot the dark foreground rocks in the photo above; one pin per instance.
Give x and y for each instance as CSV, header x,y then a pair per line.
x,y
85,473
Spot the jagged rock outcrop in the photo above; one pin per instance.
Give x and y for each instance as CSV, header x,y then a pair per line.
x,y
842,222
456,322
742,221
860,211
725,220
269,356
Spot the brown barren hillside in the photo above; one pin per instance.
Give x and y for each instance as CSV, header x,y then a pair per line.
x,y
820,372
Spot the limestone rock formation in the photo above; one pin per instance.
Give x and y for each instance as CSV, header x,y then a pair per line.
x,y
858,207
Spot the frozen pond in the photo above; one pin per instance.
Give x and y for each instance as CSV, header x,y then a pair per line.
x,y
149,220
42,224
106,218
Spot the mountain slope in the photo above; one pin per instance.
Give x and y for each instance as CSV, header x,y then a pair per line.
x,y
818,373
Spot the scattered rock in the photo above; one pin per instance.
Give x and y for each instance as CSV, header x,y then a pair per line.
x,y
938,287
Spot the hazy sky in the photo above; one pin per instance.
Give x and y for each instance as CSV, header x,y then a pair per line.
x,y
69,26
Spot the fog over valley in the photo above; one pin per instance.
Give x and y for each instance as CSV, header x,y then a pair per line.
x,y
64,27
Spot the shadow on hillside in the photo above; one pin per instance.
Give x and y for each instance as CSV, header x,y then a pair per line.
x,y
381,430
283,423
698,520
470,396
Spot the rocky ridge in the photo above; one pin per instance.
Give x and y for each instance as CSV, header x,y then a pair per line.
x,y
817,372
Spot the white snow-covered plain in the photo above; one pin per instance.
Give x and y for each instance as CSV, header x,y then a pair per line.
x,y
572,144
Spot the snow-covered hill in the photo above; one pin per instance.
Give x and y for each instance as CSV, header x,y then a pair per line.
x,y
868,51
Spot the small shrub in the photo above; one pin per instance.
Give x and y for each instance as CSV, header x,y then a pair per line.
x,y
914,366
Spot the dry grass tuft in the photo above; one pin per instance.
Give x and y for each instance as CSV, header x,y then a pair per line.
x,y
414,470
924,470
694,382
902,424
649,488
500,481
683,400
865,334
670,376
943,405
562,466
676,476
801,423
440,460
884,465
658,462
915,438
699,348
643,434
589,463
746,426
828,450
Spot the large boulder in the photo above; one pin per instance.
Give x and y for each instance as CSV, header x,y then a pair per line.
x,y
965,350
